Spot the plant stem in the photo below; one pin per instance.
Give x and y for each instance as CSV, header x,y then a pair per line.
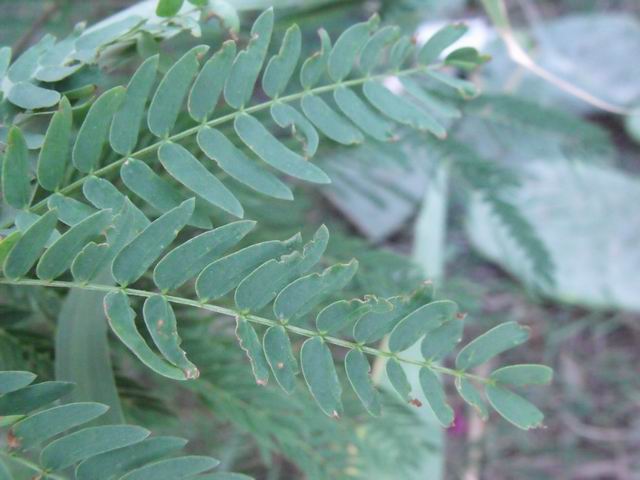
x,y
33,466
304,332
40,206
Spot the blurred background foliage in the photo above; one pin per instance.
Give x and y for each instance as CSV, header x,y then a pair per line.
x,y
528,212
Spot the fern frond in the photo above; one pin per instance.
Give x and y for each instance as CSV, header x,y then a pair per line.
x,y
113,235
39,438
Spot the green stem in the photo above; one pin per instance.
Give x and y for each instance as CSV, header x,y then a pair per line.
x,y
33,466
41,205
304,332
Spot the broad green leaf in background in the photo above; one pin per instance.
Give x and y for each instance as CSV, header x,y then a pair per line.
x,y
605,280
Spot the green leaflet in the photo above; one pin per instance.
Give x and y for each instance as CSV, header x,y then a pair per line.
x,y
32,397
92,135
314,67
465,88
95,257
127,120
277,350
436,397
343,313
173,468
7,243
122,322
466,58
287,116
220,277
514,408
503,337
358,371
52,161
169,97
399,52
80,445
439,41
376,324
330,123
102,194
249,342
304,294
398,379
281,66
471,395
441,341
156,191
400,109
161,324
44,425
272,151
28,248
423,320
187,170
372,50
16,187
136,258
69,211
359,113
168,8
10,381
59,256
89,262
29,96
205,93
112,465
5,60
189,259
234,162
320,375
24,219
520,375
264,283
247,65
347,47
433,103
